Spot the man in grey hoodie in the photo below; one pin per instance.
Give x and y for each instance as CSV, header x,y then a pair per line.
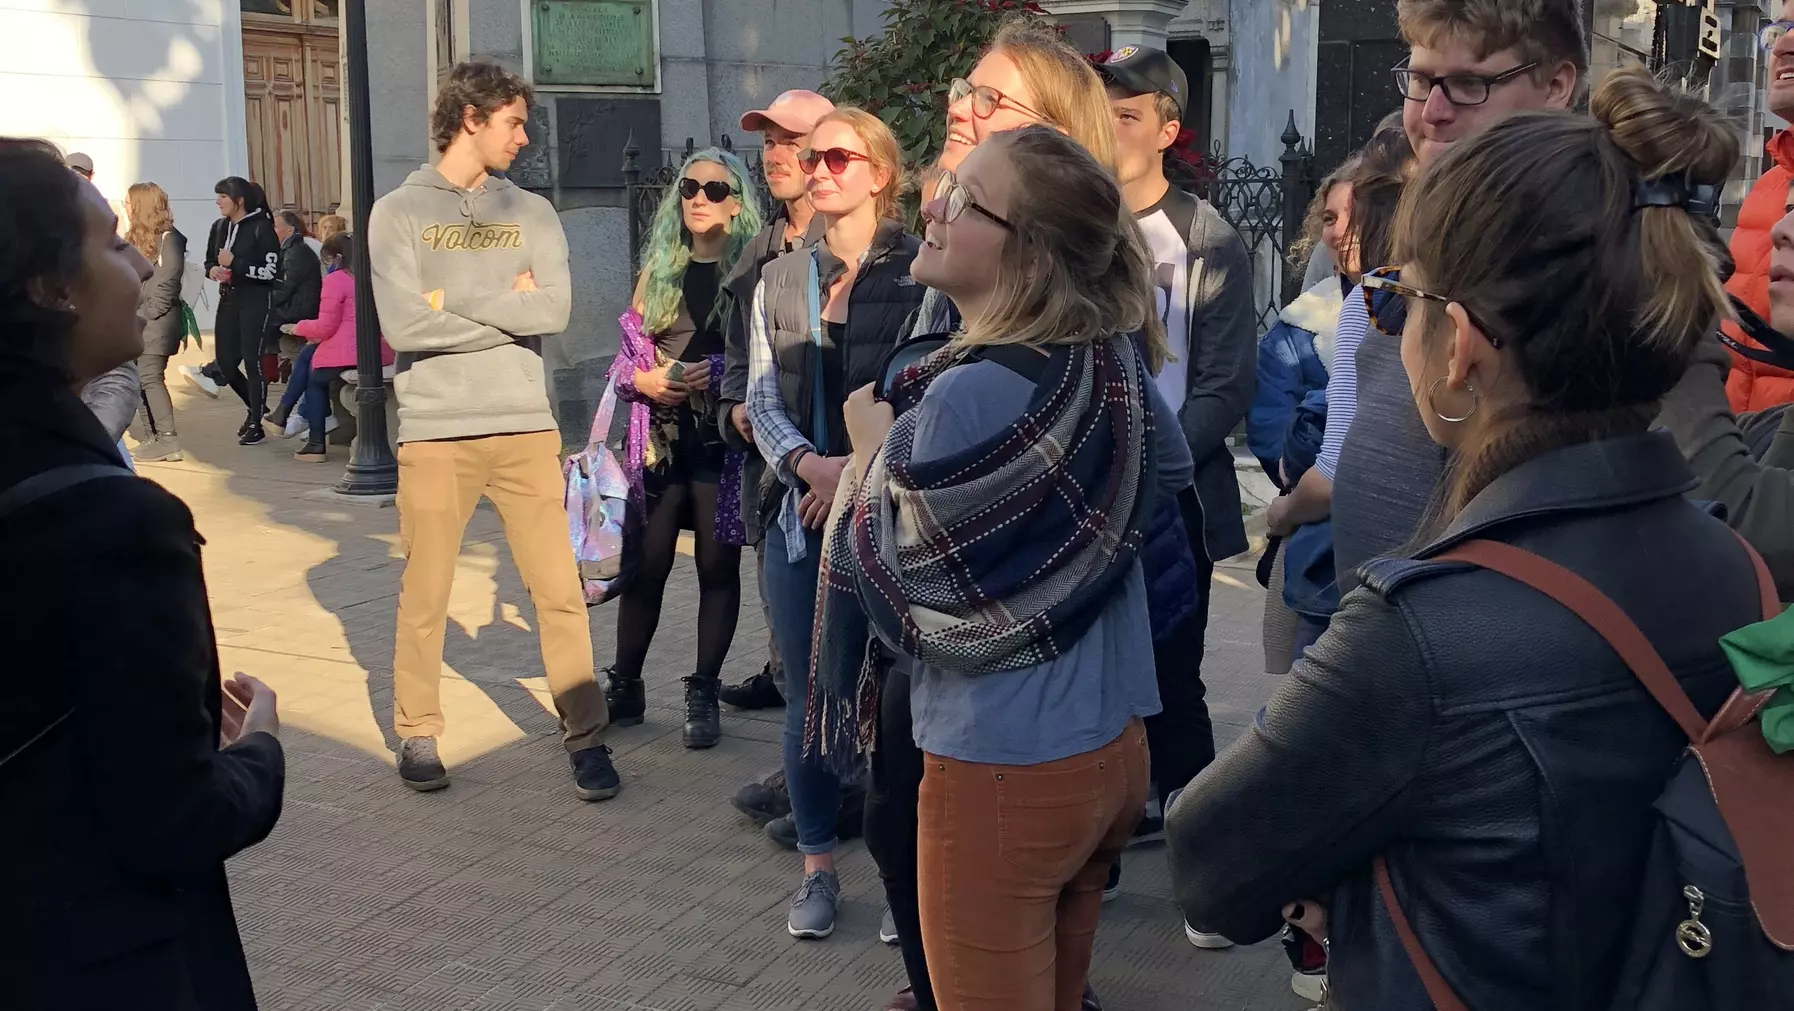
x,y
470,273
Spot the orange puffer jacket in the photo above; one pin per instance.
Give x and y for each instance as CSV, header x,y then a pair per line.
x,y
1753,385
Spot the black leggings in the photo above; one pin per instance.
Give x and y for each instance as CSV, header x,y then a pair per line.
x,y
237,334
719,580
891,822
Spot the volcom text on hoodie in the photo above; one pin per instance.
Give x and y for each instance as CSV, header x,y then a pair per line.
x,y
471,363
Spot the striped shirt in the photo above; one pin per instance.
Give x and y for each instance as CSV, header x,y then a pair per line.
x,y
1342,382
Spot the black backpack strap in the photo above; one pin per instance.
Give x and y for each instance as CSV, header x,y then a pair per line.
x,y
54,480
24,493
1020,359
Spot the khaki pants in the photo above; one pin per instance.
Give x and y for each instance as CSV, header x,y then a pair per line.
x,y
1011,864
439,485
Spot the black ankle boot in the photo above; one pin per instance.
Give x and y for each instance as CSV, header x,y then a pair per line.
x,y
625,697
703,724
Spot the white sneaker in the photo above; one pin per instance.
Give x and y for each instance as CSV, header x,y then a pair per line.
x,y
1206,941
1310,986
887,928
199,381
296,426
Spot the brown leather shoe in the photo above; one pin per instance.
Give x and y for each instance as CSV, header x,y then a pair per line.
x,y
904,1001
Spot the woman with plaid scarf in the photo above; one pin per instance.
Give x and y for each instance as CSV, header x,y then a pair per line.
x,y
988,532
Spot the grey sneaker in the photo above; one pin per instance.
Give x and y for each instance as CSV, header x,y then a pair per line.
x,y
418,765
813,907
887,927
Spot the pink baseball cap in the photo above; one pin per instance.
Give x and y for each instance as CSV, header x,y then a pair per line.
x,y
796,110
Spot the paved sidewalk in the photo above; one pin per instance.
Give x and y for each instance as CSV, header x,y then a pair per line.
x,y
505,891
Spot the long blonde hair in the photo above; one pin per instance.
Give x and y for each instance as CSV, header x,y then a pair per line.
x,y
882,153
330,226
1076,267
146,205
1067,90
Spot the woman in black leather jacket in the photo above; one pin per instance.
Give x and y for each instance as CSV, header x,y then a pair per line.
x,y
1478,735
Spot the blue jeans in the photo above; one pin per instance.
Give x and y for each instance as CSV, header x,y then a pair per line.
x,y
315,409
791,601
1308,632
296,381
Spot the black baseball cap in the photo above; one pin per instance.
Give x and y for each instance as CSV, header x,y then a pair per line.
x,y
1145,71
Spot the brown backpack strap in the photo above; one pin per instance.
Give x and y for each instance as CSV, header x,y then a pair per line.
x,y
1605,617
1436,987
1601,613
1772,601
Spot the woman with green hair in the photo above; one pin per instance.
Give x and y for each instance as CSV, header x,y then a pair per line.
x,y
681,476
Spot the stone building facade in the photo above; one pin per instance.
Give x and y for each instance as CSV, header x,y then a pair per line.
x,y
707,62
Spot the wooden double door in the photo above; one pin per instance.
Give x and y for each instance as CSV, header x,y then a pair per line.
x,y
292,84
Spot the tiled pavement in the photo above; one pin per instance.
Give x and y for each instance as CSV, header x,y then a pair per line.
x,y
506,892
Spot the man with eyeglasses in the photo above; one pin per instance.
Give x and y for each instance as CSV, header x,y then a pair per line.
x,y
1471,63
1753,385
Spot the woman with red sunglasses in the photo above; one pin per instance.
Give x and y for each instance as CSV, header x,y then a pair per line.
x,y
822,322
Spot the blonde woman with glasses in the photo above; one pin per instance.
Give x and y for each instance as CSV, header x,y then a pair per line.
x,y
1015,472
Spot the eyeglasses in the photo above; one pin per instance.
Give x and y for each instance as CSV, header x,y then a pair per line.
x,y
714,191
836,158
985,99
1460,89
957,198
1772,33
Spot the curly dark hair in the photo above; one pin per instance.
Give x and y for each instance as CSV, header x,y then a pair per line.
x,y
486,87
42,232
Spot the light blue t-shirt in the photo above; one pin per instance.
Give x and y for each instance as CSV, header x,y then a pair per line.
x,y
1084,699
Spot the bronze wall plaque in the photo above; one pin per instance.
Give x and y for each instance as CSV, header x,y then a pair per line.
x,y
595,42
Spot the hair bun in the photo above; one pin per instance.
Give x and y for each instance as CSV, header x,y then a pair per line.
x,y
1664,130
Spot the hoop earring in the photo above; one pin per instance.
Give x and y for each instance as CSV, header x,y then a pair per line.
x,y
1433,390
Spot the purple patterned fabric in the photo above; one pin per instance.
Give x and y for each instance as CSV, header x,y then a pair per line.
x,y
637,353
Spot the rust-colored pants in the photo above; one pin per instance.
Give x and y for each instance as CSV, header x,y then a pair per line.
x,y
1012,860
439,485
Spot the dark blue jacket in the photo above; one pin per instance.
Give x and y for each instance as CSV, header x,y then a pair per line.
x,y
1292,363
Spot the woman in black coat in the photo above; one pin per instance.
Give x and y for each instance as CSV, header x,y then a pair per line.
x,y
129,772
152,231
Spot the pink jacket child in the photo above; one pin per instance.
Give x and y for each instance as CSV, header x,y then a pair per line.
x,y
334,329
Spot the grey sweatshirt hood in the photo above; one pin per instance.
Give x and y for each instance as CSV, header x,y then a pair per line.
x,y
485,197
446,265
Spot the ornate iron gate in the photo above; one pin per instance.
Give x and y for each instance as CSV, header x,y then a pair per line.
x,y
1266,206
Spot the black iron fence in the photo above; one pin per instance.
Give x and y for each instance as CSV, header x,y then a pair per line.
x,y
1264,204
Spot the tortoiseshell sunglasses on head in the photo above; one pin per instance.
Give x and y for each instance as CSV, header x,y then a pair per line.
x,y
1386,301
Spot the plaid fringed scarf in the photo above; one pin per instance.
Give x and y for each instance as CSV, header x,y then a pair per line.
x,y
993,559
